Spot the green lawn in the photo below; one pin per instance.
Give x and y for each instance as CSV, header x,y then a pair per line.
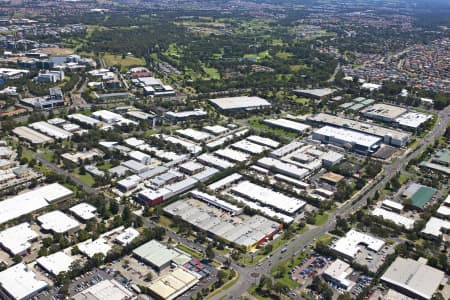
x,y
320,219
86,178
280,132
128,61
302,101
288,264
284,55
190,251
325,238
48,156
105,167
212,73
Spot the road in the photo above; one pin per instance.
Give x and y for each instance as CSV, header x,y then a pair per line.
x,y
300,242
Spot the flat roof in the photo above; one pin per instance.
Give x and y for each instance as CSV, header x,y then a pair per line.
x,y
412,119
360,126
84,210
263,141
241,102
283,167
332,177
105,290
392,204
84,119
191,147
16,239
31,135
268,197
435,225
413,276
56,263
51,130
349,245
216,129
422,196
31,201
156,253
192,134
349,136
381,110
215,161
316,92
233,155
249,147
174,284
20,282
288,124
127,236
92,247
58,222
339,271
187,114
394,217
225,181
213,200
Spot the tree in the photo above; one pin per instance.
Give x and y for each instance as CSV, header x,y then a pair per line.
x,y
210,252
17,258
149,276
280,288
221,276
97,259
114,207
126,214
265,283
43,251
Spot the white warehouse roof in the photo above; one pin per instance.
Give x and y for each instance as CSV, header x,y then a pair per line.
x,y
16,239
288,124
20,283
84,211
243,102
349,245
51,130
56,263
57,222
105,290
394,217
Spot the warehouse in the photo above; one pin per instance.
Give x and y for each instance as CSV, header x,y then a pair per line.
x,y
140,157
242,231
315,93
283,168
383,112
19,283
128,184
436,227
216,129
16,240
55,263
412,120
390,136
81,157
287,149
232,155
349,245
290,180
152,197
263,141
107,116
186,115
225,182
191,167
338,273
413,278
127,236
85,120
194,135
83,211
135,166
190,147
213,200
332,178
420,195
105,290
91,247
159,256
288,125
394,217
51,130
140,115
31,201
214,161
268,197
174,284
249,147
242,103
32,136
359,142
392,206
58,222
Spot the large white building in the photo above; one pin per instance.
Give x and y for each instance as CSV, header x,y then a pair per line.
x,y
58,222
16,239
413,278
105,290
19,283
240,103
350,244
338,273
55,263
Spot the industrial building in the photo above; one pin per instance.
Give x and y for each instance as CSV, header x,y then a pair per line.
x,y
20,283
349,245
412,120
436,227
159,256
55,263
283,167
16,240
51,130
186,115
194,135
356,141
394,217
126,236
337,273
413,278
269,197
105,290
174,284
83,211
232,155
242,231
31,201
214,161
242,103
288,125
439,162
389,136
58,222
91,247
383,112
213,200
249,147
263,141
315,93
85,120
32,136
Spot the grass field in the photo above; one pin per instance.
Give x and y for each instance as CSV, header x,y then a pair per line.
x,y
128,61
284,55
86,178
190,251
288,265
325,238
212,73
320,219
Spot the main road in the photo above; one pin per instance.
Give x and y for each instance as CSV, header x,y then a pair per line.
x,y
250,275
